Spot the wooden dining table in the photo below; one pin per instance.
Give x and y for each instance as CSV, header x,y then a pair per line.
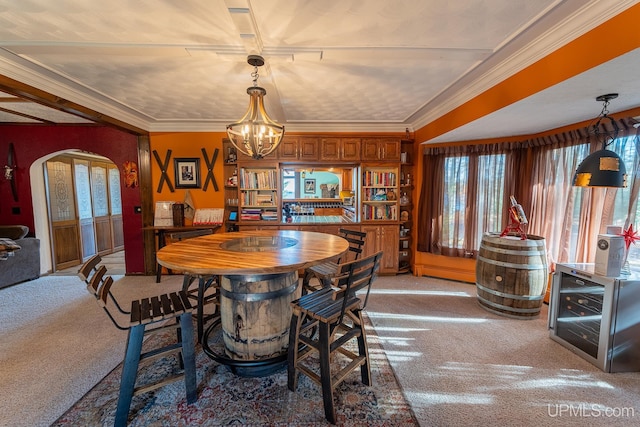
x,y
258,272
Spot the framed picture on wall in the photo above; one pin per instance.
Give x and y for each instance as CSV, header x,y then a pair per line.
x,y
187,172
309,186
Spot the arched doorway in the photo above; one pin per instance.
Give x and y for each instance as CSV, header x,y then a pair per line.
x,y
77,207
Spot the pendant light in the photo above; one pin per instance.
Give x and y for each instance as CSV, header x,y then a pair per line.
x,y
255,134
603,168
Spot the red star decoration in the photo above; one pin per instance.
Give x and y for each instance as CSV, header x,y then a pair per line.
x,y
630,236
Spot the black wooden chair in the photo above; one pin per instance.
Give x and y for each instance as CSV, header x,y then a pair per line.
x,y
326,271
207,292
147,316
335,312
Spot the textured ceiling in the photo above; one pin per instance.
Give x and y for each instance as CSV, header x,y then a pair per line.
x,y
333,65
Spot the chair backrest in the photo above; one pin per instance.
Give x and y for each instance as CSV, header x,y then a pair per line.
x,y
354,276
99,285
89,268
356,241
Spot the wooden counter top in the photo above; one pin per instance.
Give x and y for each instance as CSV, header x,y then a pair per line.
x,y
207,254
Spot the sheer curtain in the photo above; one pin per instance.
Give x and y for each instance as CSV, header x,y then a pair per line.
x,y
466,190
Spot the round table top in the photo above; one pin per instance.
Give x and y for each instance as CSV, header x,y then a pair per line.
x,y
251,252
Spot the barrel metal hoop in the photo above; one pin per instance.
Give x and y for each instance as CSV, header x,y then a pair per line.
x,y
252,297
513,309
513,265
511,296
513,251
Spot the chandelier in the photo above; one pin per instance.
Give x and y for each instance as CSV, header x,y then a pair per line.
x,y
255,134
603,168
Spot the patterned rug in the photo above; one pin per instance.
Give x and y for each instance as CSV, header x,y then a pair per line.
x,y
225,399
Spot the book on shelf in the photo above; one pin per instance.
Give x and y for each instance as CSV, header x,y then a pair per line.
x,y
372,178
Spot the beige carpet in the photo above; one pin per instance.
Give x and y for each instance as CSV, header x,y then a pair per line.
x,y
458,364
56,343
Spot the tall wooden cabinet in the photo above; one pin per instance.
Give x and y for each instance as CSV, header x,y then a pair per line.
x,y
379,210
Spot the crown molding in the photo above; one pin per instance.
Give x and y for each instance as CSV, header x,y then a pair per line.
x,y
211,126
584,19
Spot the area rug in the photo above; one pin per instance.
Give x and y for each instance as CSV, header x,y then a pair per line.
x,y
225,399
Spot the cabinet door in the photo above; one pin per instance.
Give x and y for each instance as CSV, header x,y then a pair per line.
x,y
330,149
370,149
389,241
380,149
383,238
308,148
288,148
371,241
350,148
390,149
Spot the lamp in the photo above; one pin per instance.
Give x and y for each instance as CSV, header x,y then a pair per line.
x,y
255,134
603,168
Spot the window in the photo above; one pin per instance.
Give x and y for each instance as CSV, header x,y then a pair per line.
x,y
288,184
465,221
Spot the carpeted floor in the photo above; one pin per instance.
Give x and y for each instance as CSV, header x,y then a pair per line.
x,y
226,399
456,365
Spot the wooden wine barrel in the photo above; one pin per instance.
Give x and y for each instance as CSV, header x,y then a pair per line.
x,y
255,314
512,275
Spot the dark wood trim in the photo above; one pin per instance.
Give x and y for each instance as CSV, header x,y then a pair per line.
x,y
146,196
22,90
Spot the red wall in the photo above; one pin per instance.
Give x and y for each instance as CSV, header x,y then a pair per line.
x,y
33,142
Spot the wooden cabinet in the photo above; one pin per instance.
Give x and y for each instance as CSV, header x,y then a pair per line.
x,y
340,149
380,149
299,148
383,238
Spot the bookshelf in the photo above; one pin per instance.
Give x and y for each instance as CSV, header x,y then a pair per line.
x,y
258,194
405,250
231,214
379,193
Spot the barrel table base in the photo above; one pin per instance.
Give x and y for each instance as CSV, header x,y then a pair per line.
x,y
252,333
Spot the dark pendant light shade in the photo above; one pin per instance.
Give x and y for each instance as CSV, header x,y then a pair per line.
x,y
603,168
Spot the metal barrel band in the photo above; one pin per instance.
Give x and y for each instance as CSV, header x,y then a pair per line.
x,y
513,251
511,296
504,307
237,296
513,265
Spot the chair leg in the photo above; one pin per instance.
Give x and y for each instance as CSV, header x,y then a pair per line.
x,y
188,357
305,281
129,374
200,310
325,372
292,357
363,350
